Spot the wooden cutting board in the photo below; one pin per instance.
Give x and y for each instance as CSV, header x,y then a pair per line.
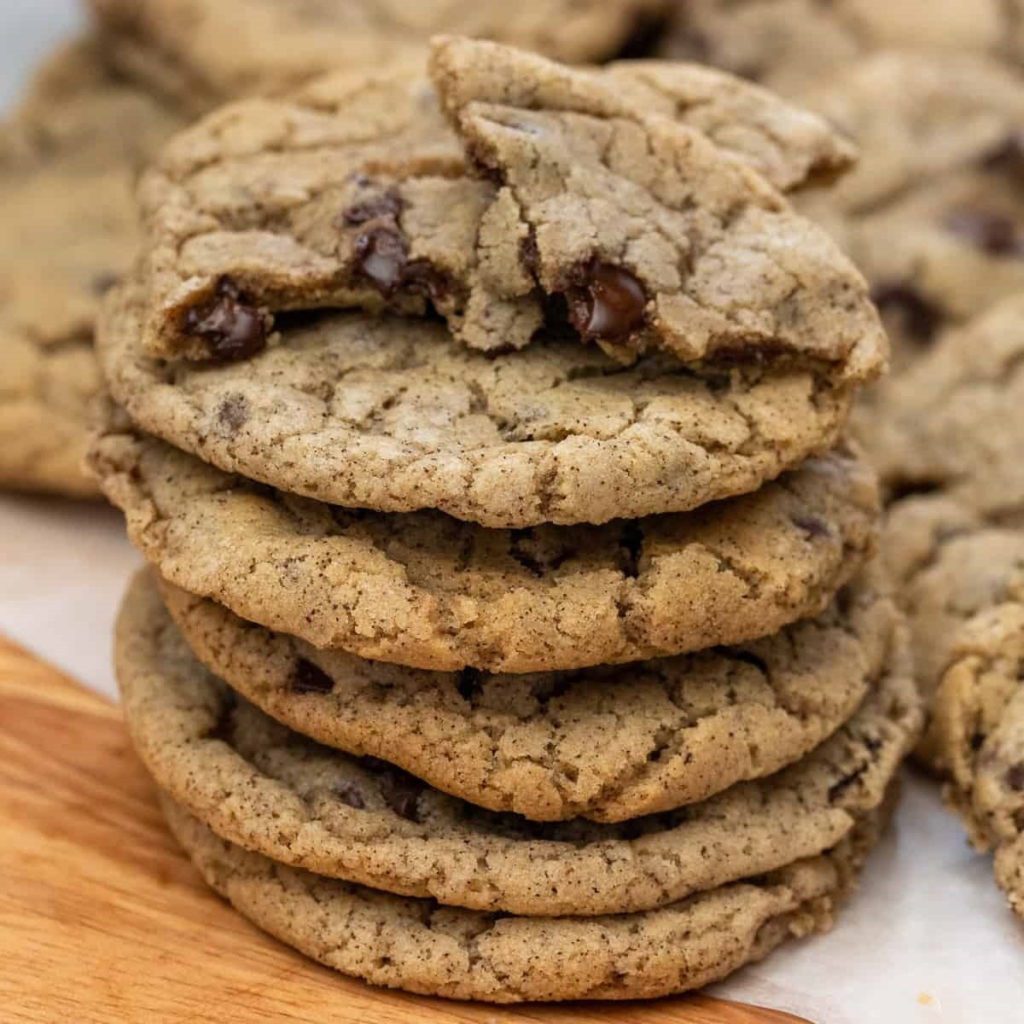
x,y
103,920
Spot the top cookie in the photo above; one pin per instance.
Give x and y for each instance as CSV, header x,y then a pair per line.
x,y
795,44
68,231
647,233
182,49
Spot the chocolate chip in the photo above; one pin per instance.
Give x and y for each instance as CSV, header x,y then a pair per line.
x,y
103,282
349,793
419,276
993,233
1015,777
310,678
382,254
468,684
229,324
918,318
608,305
1008,156
401,793
812,526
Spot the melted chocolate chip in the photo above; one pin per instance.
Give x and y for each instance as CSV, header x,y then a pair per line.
x,y
229,324
1015,777
812,526
919,320
992,233
349,793
310,678
608,305
419,276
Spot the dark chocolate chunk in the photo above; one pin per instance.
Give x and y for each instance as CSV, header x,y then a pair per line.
x,y
385,206
812,526
1015,777
468,684
229,324
310,678
993,233
609,304
918,318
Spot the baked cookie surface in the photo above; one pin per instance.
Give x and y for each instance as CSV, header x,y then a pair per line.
x,y
605,744
400,942
426,590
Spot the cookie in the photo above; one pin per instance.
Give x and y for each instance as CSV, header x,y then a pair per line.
x,y
428,591
979,734
258,784
392,414
952,421
949,566
179,47
400,942
611,217
936,188
796,45
604,744
69,231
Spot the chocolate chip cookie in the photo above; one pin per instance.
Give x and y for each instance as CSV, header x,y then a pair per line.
x,y
949,566
932,212
797,45
606,744
426,590
258,784
68,232
417,945
393,414
979,734
952,421
203,52
566,198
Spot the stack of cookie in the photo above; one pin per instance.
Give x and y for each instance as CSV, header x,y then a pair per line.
x,y
511,632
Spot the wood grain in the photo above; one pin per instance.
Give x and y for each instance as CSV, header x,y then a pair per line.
x,y
103,920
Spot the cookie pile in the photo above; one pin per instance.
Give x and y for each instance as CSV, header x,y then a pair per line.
x,y
511,631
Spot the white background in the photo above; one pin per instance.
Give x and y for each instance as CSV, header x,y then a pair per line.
x,y
927,939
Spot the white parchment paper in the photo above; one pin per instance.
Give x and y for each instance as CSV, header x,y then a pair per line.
x,y
927,939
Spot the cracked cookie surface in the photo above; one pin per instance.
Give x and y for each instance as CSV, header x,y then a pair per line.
x,y
256,783
604,744
69,231
422,947
179,46
614,215
394,415
426,590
